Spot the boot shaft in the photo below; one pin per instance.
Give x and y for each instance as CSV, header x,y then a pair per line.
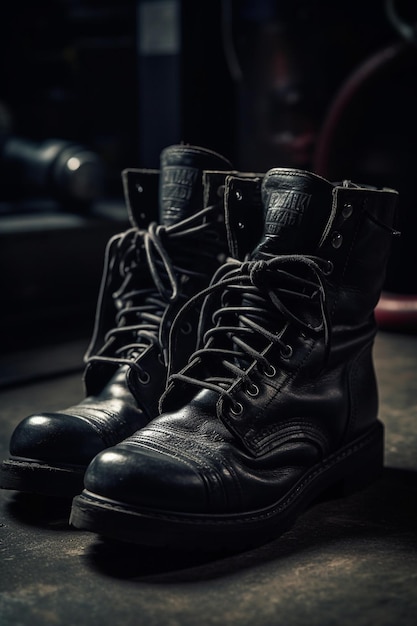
x,y
346,225
180,235
298,316
357,242
171,250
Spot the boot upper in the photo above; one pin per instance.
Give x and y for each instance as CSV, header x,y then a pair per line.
x,y
283,375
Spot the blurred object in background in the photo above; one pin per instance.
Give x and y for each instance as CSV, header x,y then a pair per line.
x,y
90,86
66,171
68,127
69,72
369,135
185,90
288,60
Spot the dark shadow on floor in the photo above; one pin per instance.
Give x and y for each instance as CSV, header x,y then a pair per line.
x,y
385,512
39,511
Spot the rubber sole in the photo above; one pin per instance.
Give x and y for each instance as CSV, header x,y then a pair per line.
x,y
40,478
350,469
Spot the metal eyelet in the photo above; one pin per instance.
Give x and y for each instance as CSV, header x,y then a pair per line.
x,y
286,352
337,240
186,328
269,371
144,377
236,409
329,268
139,188
252,390
347,210
238,195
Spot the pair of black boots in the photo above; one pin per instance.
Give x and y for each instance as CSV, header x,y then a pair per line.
x,y
230,379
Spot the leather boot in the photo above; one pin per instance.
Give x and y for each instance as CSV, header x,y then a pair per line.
x,y
278,406
169,253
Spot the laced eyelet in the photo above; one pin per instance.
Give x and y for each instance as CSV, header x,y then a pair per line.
x,y
252,390
144,377
236,409
269,371
286,352
329,268
337,240
186,328
347,210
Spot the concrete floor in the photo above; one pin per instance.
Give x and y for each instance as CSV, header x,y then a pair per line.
x,y
352,561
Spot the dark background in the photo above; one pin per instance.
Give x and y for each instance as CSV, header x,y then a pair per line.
x,y
314,84
322,85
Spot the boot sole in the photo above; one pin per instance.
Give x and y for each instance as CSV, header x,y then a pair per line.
x,y
352,468
40,478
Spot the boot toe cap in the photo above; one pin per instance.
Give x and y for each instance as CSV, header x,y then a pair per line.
x,y
55,438
146,478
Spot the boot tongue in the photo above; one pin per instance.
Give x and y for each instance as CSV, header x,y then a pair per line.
x,y
297,207
181,181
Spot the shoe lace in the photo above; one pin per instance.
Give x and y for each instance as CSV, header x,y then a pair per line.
x,y
254,297
153,266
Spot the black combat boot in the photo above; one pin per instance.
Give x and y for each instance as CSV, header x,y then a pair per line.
x,y
170,253
278,406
